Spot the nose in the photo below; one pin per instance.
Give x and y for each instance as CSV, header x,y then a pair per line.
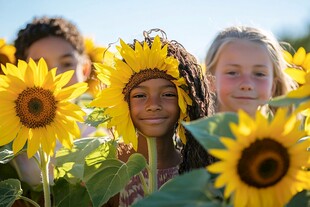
x,y
153,104
246,84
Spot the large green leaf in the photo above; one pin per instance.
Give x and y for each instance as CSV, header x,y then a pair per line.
x,y
106,178
10,190
208,130
70,163
300,199
191,189
67,195
285,101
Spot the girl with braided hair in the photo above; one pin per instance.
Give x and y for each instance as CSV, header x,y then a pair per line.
x,y
154,87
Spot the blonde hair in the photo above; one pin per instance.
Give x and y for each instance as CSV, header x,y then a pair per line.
x,y
283,82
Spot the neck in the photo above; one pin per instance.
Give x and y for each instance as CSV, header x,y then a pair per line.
x,y
167,155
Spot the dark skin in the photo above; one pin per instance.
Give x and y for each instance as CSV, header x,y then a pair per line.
x,y
154,109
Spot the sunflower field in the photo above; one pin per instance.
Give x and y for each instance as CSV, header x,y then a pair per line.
x,y
261,161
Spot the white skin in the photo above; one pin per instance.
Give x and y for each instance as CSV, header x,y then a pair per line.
x,y
59,53
243,77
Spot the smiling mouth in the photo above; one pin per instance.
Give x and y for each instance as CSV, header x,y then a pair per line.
x,y
244,98
157,120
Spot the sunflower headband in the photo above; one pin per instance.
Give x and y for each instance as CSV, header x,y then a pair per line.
x,y
136,66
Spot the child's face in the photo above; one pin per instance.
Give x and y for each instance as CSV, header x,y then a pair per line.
x,y
59,53
154,108
243,77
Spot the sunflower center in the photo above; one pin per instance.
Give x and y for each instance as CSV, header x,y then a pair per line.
x,y
264,163
36,107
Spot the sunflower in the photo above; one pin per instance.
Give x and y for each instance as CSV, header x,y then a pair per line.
x,y
263,165
300,72
299,65
36,108
138,65
6,53
96,54
300,60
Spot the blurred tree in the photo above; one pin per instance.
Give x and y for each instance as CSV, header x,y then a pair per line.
x,y
297,41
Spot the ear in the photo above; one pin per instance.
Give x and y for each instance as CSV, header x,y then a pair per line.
x,y
86,69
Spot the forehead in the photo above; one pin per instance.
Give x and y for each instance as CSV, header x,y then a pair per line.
x,y
50,46
245,51
243,46
155,83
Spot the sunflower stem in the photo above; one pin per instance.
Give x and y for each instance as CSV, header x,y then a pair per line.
x,y
45,177
152,153
144,185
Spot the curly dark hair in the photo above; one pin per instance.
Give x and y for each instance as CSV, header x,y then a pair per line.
x,y
194,155
43,27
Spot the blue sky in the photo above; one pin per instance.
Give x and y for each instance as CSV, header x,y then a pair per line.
x,y
193,23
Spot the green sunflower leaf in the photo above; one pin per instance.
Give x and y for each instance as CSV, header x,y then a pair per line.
x,y
10,190
208,130
190,189
106,178
286,101
300,199
6,154
70,163
66,194
97,117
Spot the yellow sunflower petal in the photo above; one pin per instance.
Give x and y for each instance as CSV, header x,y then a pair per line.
x,y
288,57
299,56
20,140
72,92
301,92
306,63
297,75
33,144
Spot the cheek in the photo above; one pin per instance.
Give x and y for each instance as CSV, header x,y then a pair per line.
x,y
223,85
265,89
174,110
133,109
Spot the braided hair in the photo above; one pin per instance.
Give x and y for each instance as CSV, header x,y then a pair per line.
x,y
43,27
194,155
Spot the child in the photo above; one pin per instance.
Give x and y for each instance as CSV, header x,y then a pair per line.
x,y
58,41
161,85
248,66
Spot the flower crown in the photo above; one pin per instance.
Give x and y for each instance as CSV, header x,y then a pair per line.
x,y
136,66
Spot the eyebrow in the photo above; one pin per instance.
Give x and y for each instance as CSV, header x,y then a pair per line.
x,y
256,66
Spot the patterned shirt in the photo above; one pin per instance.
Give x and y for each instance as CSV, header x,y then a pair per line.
x,y
134,190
